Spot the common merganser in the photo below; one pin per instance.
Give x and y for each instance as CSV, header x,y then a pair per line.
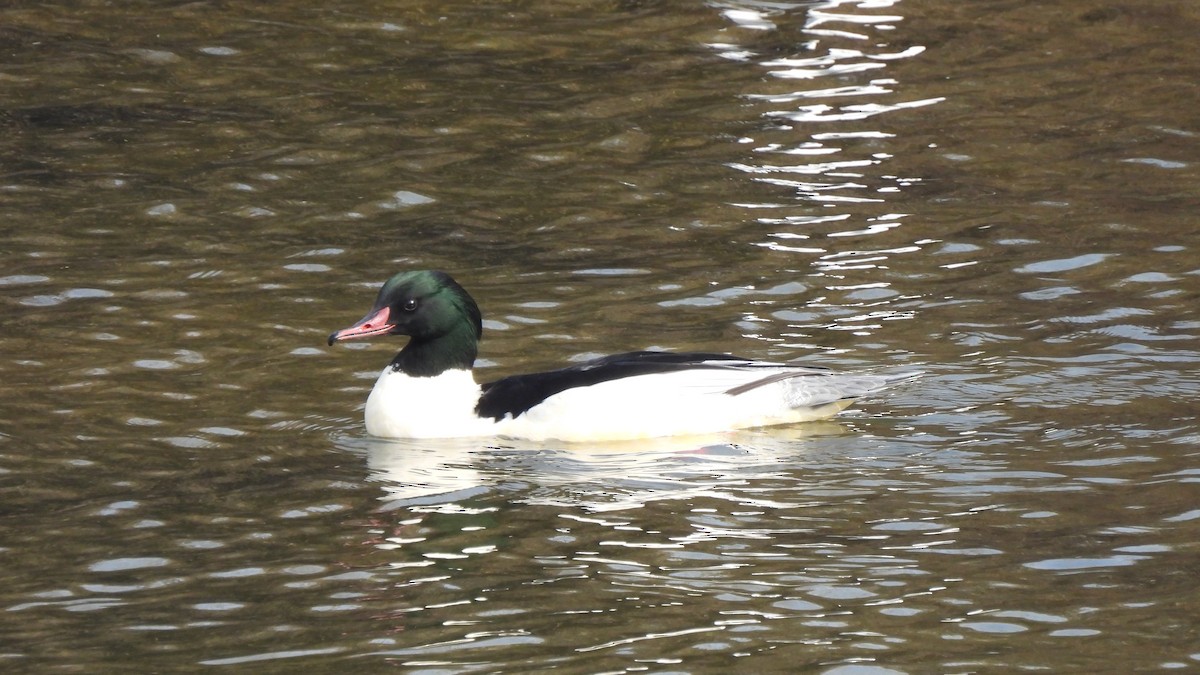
x,y
428,390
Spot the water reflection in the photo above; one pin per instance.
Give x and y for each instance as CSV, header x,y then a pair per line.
x,y
593,477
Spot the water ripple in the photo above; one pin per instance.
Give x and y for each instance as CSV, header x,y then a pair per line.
x,y
187,477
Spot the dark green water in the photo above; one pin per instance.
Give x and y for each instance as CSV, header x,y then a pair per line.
x,y
193,195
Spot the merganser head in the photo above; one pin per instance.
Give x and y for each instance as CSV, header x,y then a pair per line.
x,y
429,306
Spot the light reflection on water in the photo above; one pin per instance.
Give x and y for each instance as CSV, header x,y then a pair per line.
x,y
848,171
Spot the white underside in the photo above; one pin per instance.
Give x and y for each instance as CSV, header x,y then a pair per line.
x,y
644,406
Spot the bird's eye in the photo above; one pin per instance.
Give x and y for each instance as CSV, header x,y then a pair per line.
x,y
410,305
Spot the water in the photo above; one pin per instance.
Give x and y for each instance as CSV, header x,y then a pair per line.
x,y
1001,194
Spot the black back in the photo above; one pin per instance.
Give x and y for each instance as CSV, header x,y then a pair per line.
x,y
516,394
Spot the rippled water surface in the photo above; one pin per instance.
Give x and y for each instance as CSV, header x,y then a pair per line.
x,y
1004,195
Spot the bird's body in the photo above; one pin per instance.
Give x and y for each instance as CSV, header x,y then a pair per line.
x,y
428,391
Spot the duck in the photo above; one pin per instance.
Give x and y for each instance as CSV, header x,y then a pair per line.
x,y
429,390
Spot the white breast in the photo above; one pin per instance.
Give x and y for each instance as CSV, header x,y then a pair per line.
x,y
401,406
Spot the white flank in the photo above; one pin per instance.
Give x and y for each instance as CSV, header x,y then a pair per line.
x,y
686,402
644,406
